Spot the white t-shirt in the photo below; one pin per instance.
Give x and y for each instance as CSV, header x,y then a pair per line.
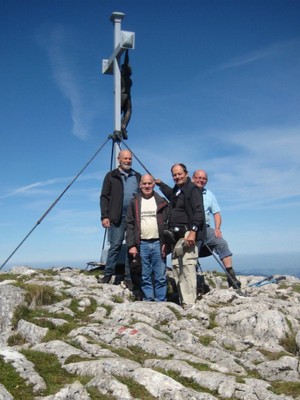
x,y
149,228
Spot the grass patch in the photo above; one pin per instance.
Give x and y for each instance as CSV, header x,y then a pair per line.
x,y
199,366
107,308
41,295
48,367
205,340
96,395
289,341
117,299
286,388
296,287
212,320
187,382
271,356
175,312
16,340
59,332
83,314
136,390
8,277
13,383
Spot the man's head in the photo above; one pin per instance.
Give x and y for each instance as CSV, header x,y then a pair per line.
x,y
200,178
180,174
147,184
125,160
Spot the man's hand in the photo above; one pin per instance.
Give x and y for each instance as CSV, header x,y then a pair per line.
x,y
218,233
133,251
106,223
190,239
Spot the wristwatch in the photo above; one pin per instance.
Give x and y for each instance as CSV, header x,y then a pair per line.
x,y
195,228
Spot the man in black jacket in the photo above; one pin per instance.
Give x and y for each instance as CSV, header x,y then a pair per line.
x,y
186,226
119,186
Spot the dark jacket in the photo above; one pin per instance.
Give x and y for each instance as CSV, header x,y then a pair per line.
x,y
133,219
193,201
111,199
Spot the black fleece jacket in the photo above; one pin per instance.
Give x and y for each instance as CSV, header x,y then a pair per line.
x,y
111,199
192,199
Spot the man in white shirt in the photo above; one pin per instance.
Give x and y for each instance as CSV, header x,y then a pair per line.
x,y
145,224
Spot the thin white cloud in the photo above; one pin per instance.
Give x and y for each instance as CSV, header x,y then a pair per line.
x,y
258,55
39,188
64,59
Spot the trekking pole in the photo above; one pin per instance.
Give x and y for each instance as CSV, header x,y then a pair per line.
x,y
54,203
225,270
262,281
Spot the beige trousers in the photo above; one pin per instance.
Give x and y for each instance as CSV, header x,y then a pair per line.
x,y
184,261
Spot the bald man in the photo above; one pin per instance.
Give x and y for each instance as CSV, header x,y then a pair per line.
x,y
119,186
215,238
145,225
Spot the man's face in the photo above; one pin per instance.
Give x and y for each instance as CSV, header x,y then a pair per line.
x,y
125,160
146,185
199,179
179,176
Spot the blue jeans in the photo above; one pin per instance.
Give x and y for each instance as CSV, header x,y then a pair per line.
x,y
116,235
153,265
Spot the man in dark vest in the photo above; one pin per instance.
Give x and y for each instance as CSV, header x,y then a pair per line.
x,y
119,186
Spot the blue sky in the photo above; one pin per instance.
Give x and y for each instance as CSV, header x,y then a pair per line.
x,y
215,86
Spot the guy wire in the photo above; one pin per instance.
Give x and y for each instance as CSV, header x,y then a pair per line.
x,y
54,203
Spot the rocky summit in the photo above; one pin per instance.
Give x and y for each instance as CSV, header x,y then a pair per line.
x,y
65,336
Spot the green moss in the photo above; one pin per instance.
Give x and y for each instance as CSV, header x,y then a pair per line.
x,y
199,366
175,312
296,287
48,367
286,388
212,322
117,299
187,382
41,295
136,390
205,340
13,383
16,340
271,356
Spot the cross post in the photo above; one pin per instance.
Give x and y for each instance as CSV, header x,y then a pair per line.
x,y
122,40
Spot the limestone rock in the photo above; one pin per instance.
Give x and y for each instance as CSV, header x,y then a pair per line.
x,y
227,346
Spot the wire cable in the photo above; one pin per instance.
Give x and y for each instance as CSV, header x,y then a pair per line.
x,y
54,203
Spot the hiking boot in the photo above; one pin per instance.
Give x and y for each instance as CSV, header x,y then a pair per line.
x,y
232,279
104,279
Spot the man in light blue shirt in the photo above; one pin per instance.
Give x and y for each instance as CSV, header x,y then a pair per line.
x,y
215,240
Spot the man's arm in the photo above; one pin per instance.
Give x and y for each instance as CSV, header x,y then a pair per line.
x,y
165,189
197,215
105,198
218,223
130,228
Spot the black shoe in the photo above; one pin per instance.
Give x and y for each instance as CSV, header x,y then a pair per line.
x,y
236,284
104,279
128,283
232,279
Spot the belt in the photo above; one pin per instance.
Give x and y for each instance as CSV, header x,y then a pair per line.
x,y
149,240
